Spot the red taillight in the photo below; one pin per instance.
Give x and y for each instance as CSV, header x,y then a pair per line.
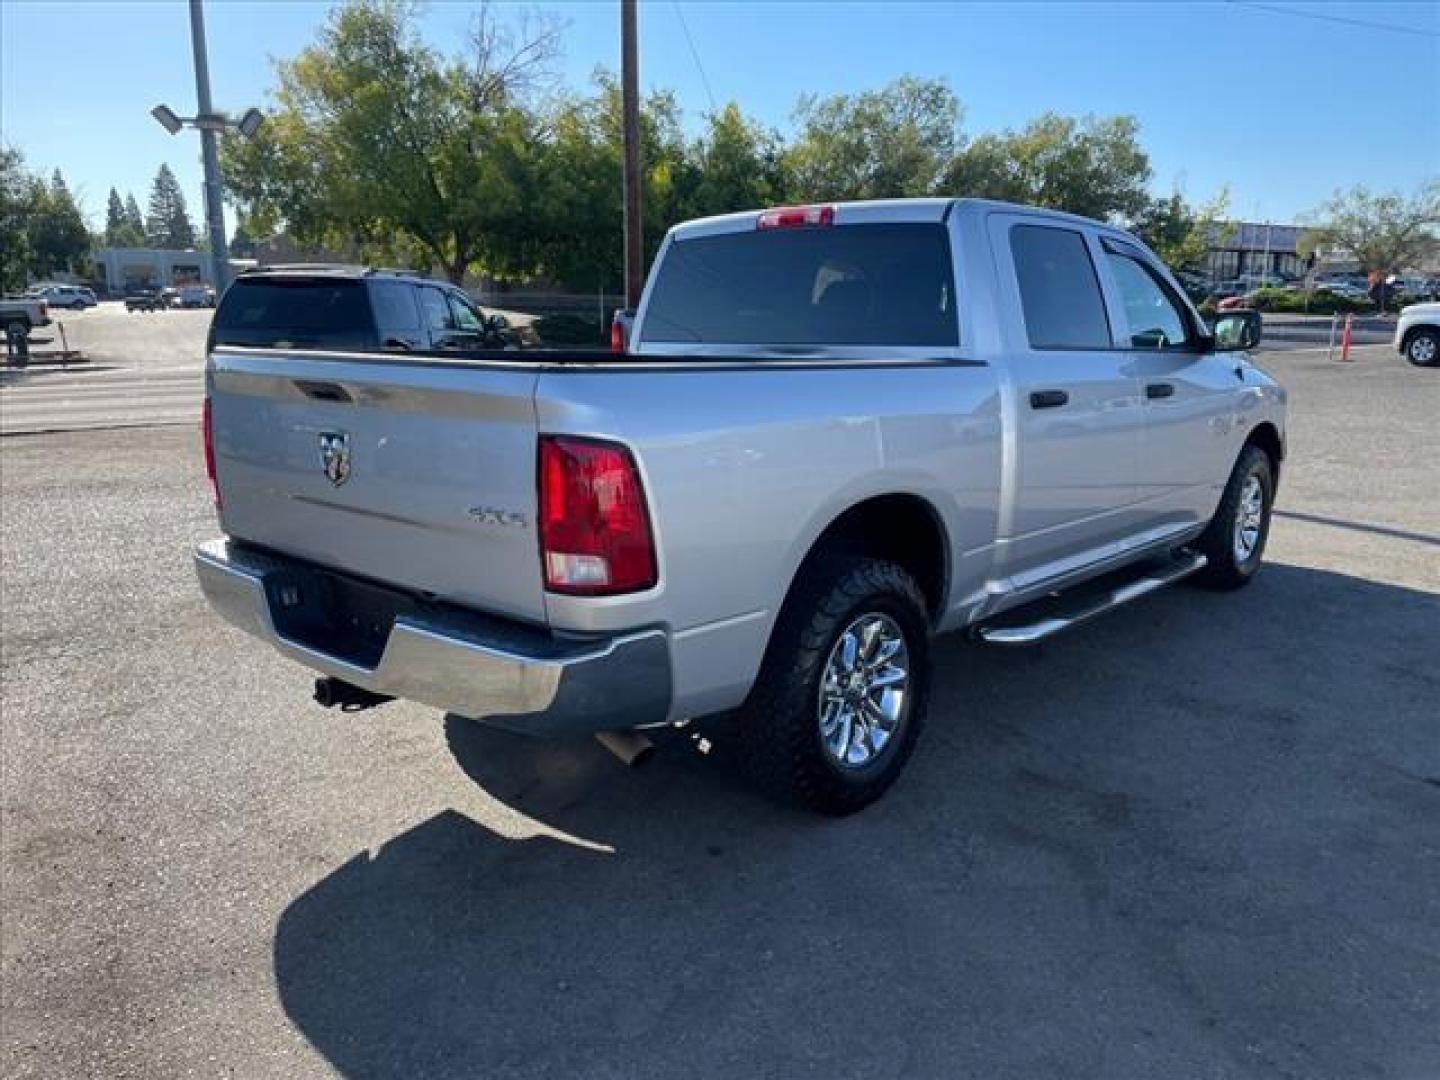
x,y
207,429
617,337
796,217
594,529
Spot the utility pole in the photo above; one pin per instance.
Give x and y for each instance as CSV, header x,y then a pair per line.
x,y
630,112
1265,269
214,207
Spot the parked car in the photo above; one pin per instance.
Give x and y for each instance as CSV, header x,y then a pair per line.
x,y
1342,288
75,297
195,296
143,300
1222,290
1417,334
1241,302
1416,287
839,430
19,315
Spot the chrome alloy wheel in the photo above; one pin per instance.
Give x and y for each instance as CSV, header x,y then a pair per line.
x,y
1249,515
862,691
1423,350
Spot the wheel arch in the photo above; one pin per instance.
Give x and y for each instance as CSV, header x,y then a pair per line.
x,y
900,527
1267,437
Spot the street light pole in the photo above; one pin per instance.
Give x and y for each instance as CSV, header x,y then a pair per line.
x,y
630,117
214,207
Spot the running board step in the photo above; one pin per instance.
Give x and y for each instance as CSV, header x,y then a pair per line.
x,y
1060,611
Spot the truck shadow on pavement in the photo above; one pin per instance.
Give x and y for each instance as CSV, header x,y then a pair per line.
x,y
1196,838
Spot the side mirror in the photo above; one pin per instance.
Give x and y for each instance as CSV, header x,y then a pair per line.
x,y
1233,331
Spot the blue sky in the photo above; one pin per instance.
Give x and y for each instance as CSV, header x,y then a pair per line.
x,y
1282,108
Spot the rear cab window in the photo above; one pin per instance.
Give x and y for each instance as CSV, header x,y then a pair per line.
x,y
284,312
880,284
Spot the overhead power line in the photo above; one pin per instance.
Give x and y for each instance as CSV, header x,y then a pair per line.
x,y
695,55
1319,16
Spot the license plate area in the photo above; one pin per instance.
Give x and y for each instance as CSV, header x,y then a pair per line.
x,y
336,615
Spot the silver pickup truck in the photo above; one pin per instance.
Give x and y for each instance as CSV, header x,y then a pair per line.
x,y
838,431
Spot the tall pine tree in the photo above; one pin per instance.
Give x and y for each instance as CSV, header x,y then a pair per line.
x,y
114,217
168,223
134,218
120,230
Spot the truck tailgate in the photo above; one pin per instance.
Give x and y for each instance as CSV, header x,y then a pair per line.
x,y
419,475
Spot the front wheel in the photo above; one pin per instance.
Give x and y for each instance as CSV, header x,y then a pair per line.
x,y
1423,348
843,689
1234,541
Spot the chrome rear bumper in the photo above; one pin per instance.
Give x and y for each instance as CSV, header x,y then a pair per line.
x,y
473,665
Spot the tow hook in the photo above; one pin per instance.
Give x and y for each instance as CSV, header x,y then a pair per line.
x,y
337,693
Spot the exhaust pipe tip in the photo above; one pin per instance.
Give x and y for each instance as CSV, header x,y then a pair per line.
x,y
632,747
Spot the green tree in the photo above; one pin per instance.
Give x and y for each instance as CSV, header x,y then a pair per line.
x,y
17,204
1090,166
878,144
135,220
1183,234
1385,233
168,223
58,236
736,165
114,215
380,140
120,231
578,215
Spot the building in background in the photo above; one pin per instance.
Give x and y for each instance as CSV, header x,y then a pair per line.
x,y
117,271
1251,249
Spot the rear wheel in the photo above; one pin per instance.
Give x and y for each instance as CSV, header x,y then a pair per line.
x,y
1423,348
1234,541
842,692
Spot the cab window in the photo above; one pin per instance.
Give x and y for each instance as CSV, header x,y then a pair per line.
x,y
1154,319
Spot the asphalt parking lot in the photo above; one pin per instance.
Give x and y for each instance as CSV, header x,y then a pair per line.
x,y
1199,838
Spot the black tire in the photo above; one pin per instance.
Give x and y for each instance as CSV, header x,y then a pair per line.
x,y
1422,348
778,728
1225,568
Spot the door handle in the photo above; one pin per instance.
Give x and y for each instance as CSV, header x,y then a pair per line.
x,y
1159,390
322,391
1048,399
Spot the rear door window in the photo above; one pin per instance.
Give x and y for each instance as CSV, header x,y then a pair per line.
x,y
436,309
395,306
882,284
299,313
467,319
1059,291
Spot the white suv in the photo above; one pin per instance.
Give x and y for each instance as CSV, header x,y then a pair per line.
x,y
1417,334
63,296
